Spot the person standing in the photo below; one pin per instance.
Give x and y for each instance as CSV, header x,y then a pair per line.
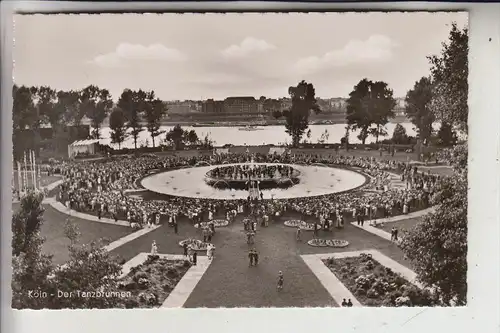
x,y
176,227
280,281
255,257
298,235
185,248
209,235
315,232
250,257
195,258
154,248
344,303
349,303
204,232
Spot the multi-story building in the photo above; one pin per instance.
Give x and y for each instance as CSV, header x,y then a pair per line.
x,y
181,107
212,106
241,105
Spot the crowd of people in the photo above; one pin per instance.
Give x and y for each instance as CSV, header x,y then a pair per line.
x,y
252,171
101,188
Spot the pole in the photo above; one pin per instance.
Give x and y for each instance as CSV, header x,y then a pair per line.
x,y
25,173
34,170
39,177
30,166
19,178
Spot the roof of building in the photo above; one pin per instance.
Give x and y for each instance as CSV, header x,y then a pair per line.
x,y
84,142
248,98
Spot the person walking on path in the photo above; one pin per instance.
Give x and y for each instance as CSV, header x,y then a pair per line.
x,y
176,228
344,303
195,258
280,281
250,257
298,235
255,257
349,303
185,248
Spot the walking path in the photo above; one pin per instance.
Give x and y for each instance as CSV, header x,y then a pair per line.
x,y
68,211
332,284
119,242
384,234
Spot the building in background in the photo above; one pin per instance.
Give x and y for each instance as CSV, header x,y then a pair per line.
x,y
241,105
212,106
182,107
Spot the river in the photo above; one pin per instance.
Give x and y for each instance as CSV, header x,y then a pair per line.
x,y
263,135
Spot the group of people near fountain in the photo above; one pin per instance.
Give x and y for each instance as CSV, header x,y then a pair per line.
x,y
100,188
251,171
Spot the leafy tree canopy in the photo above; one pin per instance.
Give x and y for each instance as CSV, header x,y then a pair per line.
x,y
450,71
437,247
370,103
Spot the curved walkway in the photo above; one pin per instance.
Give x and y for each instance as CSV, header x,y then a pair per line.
x,y
113,245
368,226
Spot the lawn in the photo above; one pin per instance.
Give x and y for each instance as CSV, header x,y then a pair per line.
x,y
56,242
401,225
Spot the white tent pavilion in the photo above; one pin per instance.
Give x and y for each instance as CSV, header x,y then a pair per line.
x,y
89,147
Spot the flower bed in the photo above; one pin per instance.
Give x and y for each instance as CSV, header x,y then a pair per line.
x,y
217,224
376,285
299,223
196,245
152,282
328,242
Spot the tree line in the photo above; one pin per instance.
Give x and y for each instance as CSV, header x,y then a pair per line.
x,y
35,107
441,96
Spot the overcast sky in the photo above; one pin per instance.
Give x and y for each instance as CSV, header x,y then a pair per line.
x,y
195,56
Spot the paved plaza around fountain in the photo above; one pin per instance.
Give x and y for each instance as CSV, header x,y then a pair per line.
x,y
315,180
229,281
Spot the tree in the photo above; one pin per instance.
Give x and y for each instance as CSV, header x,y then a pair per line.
x,y
175,136
90,267
24,117
191,137
449,71
297,118
24,112
437,247
418,107
118,126
446,135
30,267
133,103
96,104
370,103
154,111
46,102
399,135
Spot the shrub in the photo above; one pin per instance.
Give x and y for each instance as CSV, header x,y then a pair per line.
x,y
139,275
